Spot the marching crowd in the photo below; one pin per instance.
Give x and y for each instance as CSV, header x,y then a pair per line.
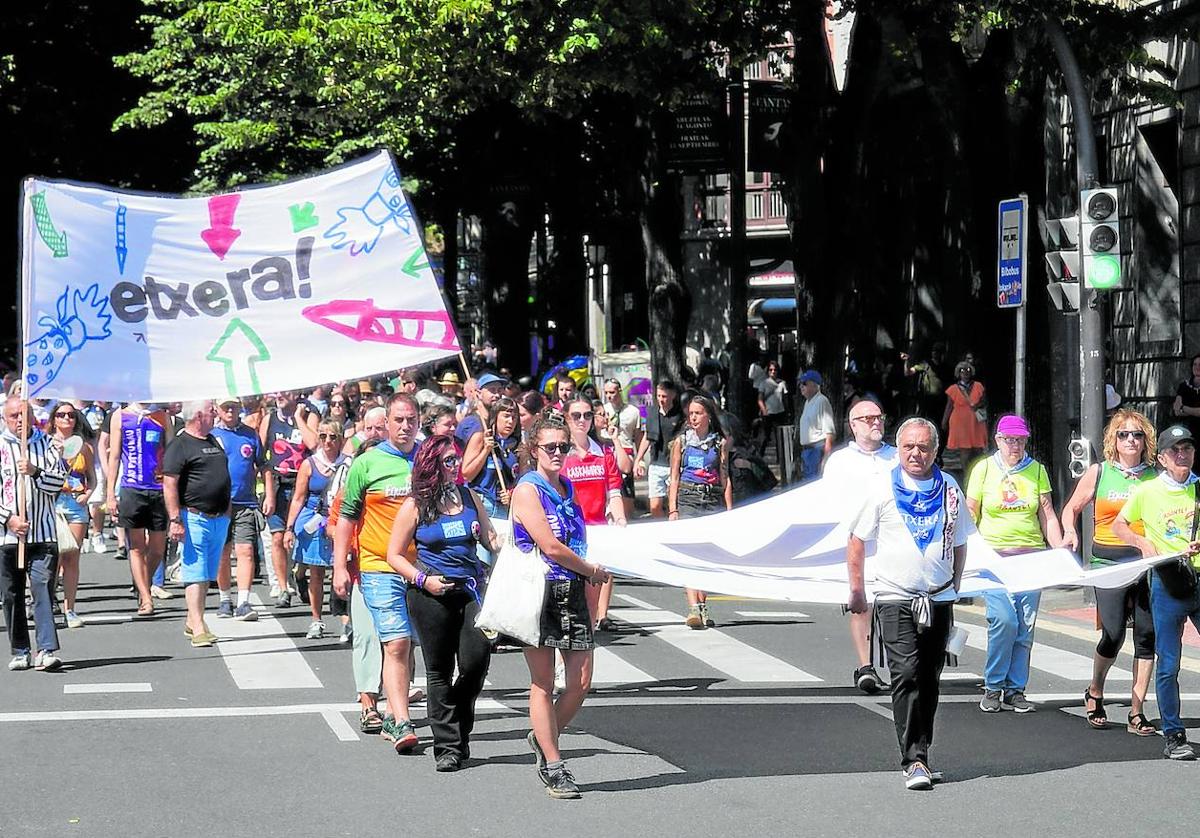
x,y
373,501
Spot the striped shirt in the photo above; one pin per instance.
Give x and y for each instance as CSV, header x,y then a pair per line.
x,y
41,490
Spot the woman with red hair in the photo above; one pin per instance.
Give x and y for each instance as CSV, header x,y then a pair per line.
x,y
445,589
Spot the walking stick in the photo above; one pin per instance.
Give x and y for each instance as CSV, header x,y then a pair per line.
x,y
462,359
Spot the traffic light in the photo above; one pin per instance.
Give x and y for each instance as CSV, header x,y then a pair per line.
x,y
1080,451
1061,239
1100,238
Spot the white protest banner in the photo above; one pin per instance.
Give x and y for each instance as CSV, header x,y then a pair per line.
x,y
131,297
792,546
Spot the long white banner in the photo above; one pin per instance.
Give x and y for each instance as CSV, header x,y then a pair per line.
x,y
156,297
792,546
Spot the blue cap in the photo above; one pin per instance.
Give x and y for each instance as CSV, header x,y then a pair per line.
x,y
810,375
490,378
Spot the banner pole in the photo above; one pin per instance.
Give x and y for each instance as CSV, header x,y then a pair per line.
x,y
462,359
23,310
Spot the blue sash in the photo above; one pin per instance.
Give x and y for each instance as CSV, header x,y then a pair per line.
x,y
921,509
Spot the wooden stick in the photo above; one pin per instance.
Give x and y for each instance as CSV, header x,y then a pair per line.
x,y
25,306
21,499
462,359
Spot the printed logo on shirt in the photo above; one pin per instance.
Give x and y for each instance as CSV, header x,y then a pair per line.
x,y
585,471
695,461
1009,499
247,451
1171,529
396,492
153,436
454,529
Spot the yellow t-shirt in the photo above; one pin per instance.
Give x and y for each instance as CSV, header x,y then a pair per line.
x,y
1008,503
1167,513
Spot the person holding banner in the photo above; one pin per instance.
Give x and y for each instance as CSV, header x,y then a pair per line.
x,y
1008,494
27,515
306,535
699,482
918,523
138,437
71,505
865,460
378,482
1129,455
1167,508
547,518
449,524
287,435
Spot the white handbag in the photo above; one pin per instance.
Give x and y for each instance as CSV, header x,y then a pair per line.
x,y
516,592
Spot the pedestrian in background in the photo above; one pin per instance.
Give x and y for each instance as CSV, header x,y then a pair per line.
x,y
1008,494
67,421
815,427
1187,399
965,417
1129,456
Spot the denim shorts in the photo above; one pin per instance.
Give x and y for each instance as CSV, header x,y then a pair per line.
x,y
659,478
71,509
566,622
384,594
203,541
277,520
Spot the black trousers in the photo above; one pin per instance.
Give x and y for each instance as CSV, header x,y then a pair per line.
x,y
41,568
446,626
1114,606
915,660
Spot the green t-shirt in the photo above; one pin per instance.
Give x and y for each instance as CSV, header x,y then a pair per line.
x,y
1008,503
1166,511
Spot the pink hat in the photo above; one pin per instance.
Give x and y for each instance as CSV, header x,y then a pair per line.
x,y
1012,425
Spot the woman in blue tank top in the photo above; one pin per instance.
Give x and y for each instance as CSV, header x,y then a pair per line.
x,y
447,521
545,516
306,532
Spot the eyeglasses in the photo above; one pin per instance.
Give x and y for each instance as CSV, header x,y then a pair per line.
x,y
552,448
873,419
1131,434
67,415
1014,440
451,460
324,437
338,403
587,414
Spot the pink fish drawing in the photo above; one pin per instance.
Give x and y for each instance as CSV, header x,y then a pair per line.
x,y
361,321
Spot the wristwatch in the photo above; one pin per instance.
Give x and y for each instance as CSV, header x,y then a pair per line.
x,y
177,521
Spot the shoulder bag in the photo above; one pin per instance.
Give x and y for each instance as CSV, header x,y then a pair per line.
x,y
516,592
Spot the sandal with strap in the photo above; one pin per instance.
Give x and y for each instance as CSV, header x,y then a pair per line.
x,y
1139,725
370,721
1097,718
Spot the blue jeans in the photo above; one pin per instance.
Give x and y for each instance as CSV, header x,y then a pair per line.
x,y
1010,618
494,510
41,565
1169,615
810,462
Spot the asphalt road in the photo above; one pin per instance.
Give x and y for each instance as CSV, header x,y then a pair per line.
x,y
749,728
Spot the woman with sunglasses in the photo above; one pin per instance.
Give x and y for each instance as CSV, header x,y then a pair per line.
x,y
546,516
1129,455
491,485
591,466
700,482
341,412
1008,494
307,518
445,587
72,500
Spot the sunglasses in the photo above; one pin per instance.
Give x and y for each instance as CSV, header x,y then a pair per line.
x,y
451,460
324,437
67,415
587,414
873,419
553,448
338,403
1131,435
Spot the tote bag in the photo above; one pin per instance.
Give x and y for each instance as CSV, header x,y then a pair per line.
x,y
515,594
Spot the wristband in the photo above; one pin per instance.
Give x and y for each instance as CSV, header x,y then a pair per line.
x,y
419,581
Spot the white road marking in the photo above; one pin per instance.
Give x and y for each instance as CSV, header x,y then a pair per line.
x,y
955,675
90,689
609,668
260,656
774,615
99,619
340,727
726,654
875,707
1059,662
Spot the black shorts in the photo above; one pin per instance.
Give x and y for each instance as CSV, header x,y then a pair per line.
x,y
566,622
141,509
627,485
245,525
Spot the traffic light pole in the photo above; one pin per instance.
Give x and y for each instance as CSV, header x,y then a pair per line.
x,y
1091,316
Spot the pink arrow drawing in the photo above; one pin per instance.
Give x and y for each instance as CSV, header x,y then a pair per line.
x,y
221,234
360,321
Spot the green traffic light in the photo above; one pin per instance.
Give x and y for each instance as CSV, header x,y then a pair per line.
x,y
1104,272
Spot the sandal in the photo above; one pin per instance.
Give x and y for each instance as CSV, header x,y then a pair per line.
x,y
1139,725
146,609
1097,718
369,721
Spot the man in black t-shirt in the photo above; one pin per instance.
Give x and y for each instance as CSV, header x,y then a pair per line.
x,y
662,423
197,488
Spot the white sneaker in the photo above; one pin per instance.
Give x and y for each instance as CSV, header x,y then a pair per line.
x,y
316,630
74,621
347,633
174,571
46,662
19,663
98,544
159,592
275,592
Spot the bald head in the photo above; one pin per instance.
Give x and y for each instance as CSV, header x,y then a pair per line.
x,y
16,415
866,424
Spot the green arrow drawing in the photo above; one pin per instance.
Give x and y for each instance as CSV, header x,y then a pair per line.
x,y
410,265
56,241
239,345
303,216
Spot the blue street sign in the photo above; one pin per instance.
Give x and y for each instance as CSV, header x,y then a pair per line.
x,y
1010,253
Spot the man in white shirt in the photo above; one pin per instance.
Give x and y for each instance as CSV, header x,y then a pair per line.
x,y
815,427
920,523
851,471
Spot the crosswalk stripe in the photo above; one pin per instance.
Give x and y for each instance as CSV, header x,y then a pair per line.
x,y
260,655
774,615
1059,662
610,668
712,647
93,689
